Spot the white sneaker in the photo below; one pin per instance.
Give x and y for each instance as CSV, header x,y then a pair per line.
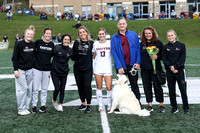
x,y
60,108
101,108
55,105
108,108
28,112
22,113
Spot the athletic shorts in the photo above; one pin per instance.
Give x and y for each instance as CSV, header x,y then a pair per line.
x,y
104,74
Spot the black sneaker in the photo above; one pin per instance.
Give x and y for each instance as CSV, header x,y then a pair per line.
x,y
81,107
174,110
186,111
34,110
161,109
149,108
88,109
43,109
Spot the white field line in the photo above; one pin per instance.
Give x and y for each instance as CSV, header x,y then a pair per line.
x,y
104,122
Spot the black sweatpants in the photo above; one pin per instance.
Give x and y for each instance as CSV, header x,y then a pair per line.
x,y
133,82
83,81
59,84
148,78
171,81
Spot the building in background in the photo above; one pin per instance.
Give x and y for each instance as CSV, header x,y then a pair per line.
x,y
139,8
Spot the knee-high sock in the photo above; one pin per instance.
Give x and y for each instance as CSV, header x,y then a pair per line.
x,y
109,98
99,97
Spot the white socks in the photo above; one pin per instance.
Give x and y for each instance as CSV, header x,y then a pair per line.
x,y
99,97
109,98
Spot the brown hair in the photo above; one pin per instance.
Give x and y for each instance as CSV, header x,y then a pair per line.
x,y
101,29
154,38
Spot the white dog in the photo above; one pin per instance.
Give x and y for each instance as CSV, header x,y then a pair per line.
x,y
124,99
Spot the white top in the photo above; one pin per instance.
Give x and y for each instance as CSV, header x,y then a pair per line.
x,y
103,61
58,13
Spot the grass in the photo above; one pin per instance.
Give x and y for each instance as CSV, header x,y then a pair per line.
x,y
187,29
73,121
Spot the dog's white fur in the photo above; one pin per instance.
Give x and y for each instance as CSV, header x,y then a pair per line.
x,y
124,99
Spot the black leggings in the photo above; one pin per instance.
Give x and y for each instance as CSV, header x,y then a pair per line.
x,y
59,84
83,81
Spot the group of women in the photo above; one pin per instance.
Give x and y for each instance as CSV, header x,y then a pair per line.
x,y
33,68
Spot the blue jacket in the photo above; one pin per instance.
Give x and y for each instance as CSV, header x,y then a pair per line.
x,y
117,51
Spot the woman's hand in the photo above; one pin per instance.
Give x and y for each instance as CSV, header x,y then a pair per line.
x,y
16,73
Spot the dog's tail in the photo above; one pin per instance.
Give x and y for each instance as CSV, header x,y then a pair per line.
x,y
143,112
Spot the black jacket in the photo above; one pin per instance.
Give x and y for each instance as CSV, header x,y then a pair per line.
x,y
43,55
82,55
60,65
174,55
146,62
23,55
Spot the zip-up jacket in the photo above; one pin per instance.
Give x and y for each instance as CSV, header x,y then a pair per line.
x,y
60,65
146,61
43,55
117,51
23,55
174,55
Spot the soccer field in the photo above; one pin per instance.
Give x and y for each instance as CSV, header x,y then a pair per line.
x,y
72,121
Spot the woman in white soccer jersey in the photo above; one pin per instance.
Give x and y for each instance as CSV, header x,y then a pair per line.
x,y
102,67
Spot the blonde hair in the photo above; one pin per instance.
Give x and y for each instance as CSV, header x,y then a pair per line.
x,y
88,37
31,27
171,30
154,38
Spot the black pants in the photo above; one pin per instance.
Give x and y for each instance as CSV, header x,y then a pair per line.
x,y
147,79
171,81
133,82
83,81
59,84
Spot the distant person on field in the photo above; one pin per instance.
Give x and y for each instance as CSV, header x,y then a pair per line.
x,y
43,16
77,25
17,38
58,15
174,56
53,39
59,37
9,15
163,15
23,58
195,15
5,39
31,10
173,14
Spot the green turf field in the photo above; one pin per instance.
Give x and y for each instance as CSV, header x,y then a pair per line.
x,y
72,121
